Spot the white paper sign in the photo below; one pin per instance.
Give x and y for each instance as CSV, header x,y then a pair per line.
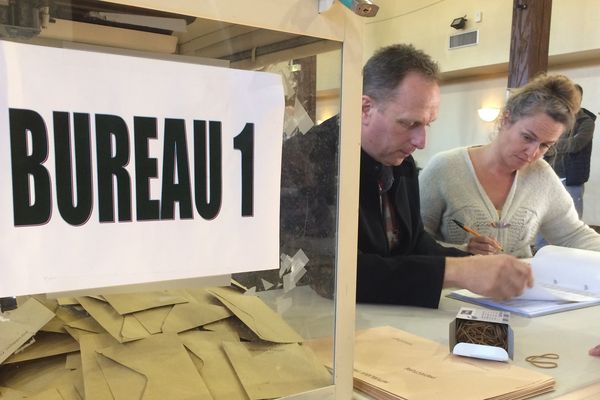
x,y
119,170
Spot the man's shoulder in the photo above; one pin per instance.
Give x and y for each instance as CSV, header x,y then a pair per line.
x,y
329,127
322,138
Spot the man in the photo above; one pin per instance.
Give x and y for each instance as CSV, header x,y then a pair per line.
x,y
398,262
571,160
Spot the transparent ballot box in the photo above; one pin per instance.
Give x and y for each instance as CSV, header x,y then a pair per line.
x,y
174,179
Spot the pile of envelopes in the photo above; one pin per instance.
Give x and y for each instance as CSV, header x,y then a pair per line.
x,y
393,364
214,343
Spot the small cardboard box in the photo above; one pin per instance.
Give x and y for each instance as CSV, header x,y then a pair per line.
x,y
494,324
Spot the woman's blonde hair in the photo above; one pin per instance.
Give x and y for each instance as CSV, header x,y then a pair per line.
x,y
555,95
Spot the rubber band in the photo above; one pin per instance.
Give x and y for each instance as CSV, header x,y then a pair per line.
x,y
480,332
543,360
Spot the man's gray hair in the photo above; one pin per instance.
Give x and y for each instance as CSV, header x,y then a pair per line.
x,y
386,69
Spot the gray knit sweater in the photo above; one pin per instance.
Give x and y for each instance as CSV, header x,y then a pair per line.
x,y
537,202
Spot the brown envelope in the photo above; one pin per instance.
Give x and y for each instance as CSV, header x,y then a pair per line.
x,y
124,383
77,333
19,325
50,304
73,361
95,385
233,326
211,361
55,325
67,301
69,314
64,315
39,375
253,312
270,371
391,363
66,392
133,302
48,394
87,324
201,295
153,318
11,394
123,328
46,344
191,315
82,326
160,362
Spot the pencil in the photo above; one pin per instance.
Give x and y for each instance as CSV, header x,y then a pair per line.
x,y
466,228
473,232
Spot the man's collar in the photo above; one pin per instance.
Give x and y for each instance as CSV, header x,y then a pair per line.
x,y
383,174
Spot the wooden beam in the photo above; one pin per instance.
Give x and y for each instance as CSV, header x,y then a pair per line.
x,y
530,37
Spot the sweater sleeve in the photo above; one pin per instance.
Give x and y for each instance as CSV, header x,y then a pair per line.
x,y
561,225
580,136
432,201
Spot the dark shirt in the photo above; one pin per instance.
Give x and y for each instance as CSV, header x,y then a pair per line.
x,y
572,157
412,273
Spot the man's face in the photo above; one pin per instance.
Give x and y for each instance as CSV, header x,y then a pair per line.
x,y
392,129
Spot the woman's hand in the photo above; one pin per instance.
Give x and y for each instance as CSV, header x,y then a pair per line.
x,y
483,245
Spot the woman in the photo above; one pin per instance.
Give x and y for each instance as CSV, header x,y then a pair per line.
x,y
504,190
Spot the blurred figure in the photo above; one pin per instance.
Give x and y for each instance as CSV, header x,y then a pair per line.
x,y
572,155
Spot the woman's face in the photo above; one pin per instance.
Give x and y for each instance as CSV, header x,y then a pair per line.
x,y
527,139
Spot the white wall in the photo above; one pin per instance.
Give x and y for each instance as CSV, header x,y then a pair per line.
x,y
426,24
458,123
575,28
574,38
329,77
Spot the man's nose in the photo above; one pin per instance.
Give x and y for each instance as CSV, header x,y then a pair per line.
x,y
419,137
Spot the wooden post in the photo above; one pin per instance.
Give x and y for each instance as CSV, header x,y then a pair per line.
x,y
530,37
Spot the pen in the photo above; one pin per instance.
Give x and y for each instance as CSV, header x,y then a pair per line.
x,y
473,232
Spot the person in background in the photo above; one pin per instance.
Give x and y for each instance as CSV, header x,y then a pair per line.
x,y
398,262
571,157
504,190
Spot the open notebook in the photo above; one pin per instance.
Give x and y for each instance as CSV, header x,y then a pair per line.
x,y
565,279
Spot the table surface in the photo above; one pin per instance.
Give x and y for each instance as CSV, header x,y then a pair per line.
x,y
570,334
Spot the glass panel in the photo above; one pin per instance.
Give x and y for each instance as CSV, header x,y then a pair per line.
x,y
300,292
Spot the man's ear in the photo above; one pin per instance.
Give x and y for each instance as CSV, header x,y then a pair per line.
x,y
367,108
